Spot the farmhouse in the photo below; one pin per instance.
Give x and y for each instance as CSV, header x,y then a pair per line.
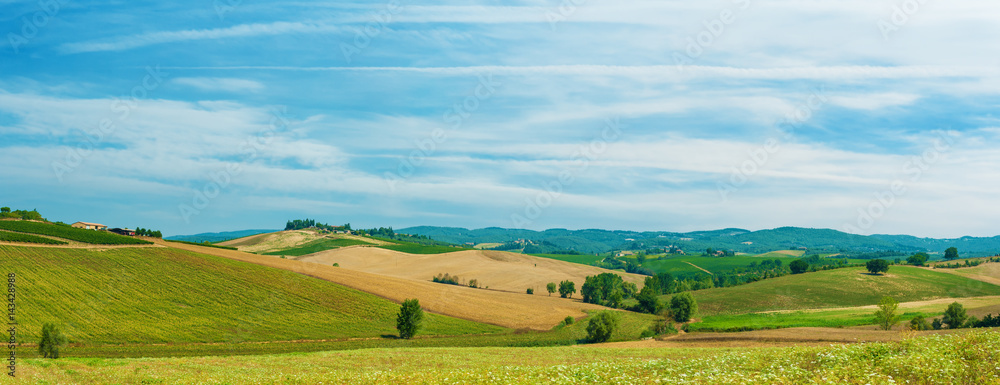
x,y
89,226
128,232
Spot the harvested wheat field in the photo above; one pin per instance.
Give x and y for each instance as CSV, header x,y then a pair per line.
x,y
270,242
512,310
987,272
498,270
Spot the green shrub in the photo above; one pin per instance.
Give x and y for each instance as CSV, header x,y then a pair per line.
x,y
602,326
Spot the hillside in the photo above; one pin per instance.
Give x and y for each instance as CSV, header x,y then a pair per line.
x,y
496,269
847,287
512,310
159,295
218,237
753,242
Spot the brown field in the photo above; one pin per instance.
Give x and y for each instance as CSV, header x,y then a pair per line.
x,y
988,272
499,270
512,310
269,242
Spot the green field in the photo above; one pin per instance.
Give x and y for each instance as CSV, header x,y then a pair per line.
x,y
413,248
582,259
71,233
847,287
953,359
6,236
680,265
317,246
160,295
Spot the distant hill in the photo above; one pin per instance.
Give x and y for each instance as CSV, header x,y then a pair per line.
x,y
739,240
217,237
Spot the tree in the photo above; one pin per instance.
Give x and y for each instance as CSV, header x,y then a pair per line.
x,y
798,266
409,319
567,288
551,287
683,307
876,266
951,253
601,326
918,259
5,210
531,291
955,316
648,300
51,340
885,316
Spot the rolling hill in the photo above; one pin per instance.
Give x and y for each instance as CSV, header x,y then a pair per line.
x,y
218,237
165,295
496,269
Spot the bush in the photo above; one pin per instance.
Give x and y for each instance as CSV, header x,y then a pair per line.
x,y
446,279
569,320
410,317
937,324
551,288
51,340
955,316
919,323
602,326
918,259
531,291
683,307
474,283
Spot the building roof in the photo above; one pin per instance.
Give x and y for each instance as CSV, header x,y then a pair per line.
x,y
90,224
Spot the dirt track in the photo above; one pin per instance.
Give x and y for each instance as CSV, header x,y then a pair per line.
x,y
496,269
512,310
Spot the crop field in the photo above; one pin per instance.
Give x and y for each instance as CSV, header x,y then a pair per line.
x,y
507,309
202,244
413,248
497,270
951,359
681,265
584,259
317,246
847,287
161,295
6,236
71,233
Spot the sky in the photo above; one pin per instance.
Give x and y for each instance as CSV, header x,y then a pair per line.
x,y
865,116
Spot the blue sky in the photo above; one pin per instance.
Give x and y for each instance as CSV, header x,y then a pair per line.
x,y
863,116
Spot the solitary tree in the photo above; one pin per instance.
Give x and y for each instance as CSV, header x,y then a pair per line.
x,y
918,259
683,307
955,316
798,266
601,326
951,253
51,340
551,287
409,318
567,288
885,316
876,266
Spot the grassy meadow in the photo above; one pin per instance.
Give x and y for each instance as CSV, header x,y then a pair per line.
x,y
969,358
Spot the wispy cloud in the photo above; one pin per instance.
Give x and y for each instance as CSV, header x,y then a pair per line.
x,y
221,84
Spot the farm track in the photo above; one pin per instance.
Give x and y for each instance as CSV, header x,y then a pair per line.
x,y
511,310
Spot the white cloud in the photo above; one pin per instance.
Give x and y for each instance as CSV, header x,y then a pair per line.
x,y
234,85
